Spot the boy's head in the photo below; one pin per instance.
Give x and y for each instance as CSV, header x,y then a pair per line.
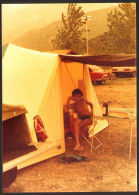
x,y
77,92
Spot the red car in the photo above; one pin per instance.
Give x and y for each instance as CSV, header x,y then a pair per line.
x,y
97,74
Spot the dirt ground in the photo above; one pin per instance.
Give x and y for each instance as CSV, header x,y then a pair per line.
x,y
108,169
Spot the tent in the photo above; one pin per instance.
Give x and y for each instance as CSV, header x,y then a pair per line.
x,y
38,84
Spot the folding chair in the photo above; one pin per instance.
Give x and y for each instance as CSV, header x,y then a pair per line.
x,y
92,130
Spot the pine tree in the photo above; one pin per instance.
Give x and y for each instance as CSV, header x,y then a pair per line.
x,y
122,28
69,35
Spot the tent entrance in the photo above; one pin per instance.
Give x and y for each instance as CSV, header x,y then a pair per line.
x,y
16,138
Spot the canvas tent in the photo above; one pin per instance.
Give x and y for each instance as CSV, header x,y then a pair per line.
x,y
42,82
39,83
10,111
15,131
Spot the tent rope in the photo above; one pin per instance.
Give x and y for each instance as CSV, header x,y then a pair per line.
x,y
70,75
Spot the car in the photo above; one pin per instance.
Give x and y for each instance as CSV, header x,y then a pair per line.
x,y
124,71
97,74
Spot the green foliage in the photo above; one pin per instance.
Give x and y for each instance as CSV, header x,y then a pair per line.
x,y
101,45
122,27
121,37
69,35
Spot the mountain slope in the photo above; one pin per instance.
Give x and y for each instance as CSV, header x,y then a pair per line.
x,y
32,16
40,38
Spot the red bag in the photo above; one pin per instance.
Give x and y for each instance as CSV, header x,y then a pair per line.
x,y
39,129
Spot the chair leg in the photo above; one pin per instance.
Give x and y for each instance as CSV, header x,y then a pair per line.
x,y
130,146
94,136
92,139
98,141
91,132
91,143
88,141
109,130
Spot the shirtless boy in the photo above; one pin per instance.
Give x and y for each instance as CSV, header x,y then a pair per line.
x,y
85,115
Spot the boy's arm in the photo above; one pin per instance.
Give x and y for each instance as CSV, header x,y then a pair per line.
x,y
91,105
92,112
68,105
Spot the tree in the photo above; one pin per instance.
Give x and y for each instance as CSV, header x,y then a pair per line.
x,y
121,36
101,45
69,35
122,28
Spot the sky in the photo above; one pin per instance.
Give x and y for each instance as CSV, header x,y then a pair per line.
x,y
86,6
53,13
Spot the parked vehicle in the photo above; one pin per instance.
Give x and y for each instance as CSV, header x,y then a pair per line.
x,y
97,74
124,71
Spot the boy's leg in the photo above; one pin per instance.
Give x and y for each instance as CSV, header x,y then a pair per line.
x,y
81,138
85,123
77,133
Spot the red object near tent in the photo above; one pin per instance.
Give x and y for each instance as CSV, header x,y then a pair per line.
x,y
39,129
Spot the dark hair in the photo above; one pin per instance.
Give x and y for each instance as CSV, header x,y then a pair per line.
x,y
76,92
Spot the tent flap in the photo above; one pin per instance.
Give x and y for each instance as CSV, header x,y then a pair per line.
x,y
103,60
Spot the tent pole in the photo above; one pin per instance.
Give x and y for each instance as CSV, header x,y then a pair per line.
x,y
83,78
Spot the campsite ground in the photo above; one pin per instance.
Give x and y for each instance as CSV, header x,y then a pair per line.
x,y
108,169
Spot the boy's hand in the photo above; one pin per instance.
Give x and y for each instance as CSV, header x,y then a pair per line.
x,y
69,105
71,98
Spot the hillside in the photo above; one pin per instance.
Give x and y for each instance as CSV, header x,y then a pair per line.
x,y
40,38
17,22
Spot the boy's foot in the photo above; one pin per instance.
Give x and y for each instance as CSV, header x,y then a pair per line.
x,y
81,148
78,148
